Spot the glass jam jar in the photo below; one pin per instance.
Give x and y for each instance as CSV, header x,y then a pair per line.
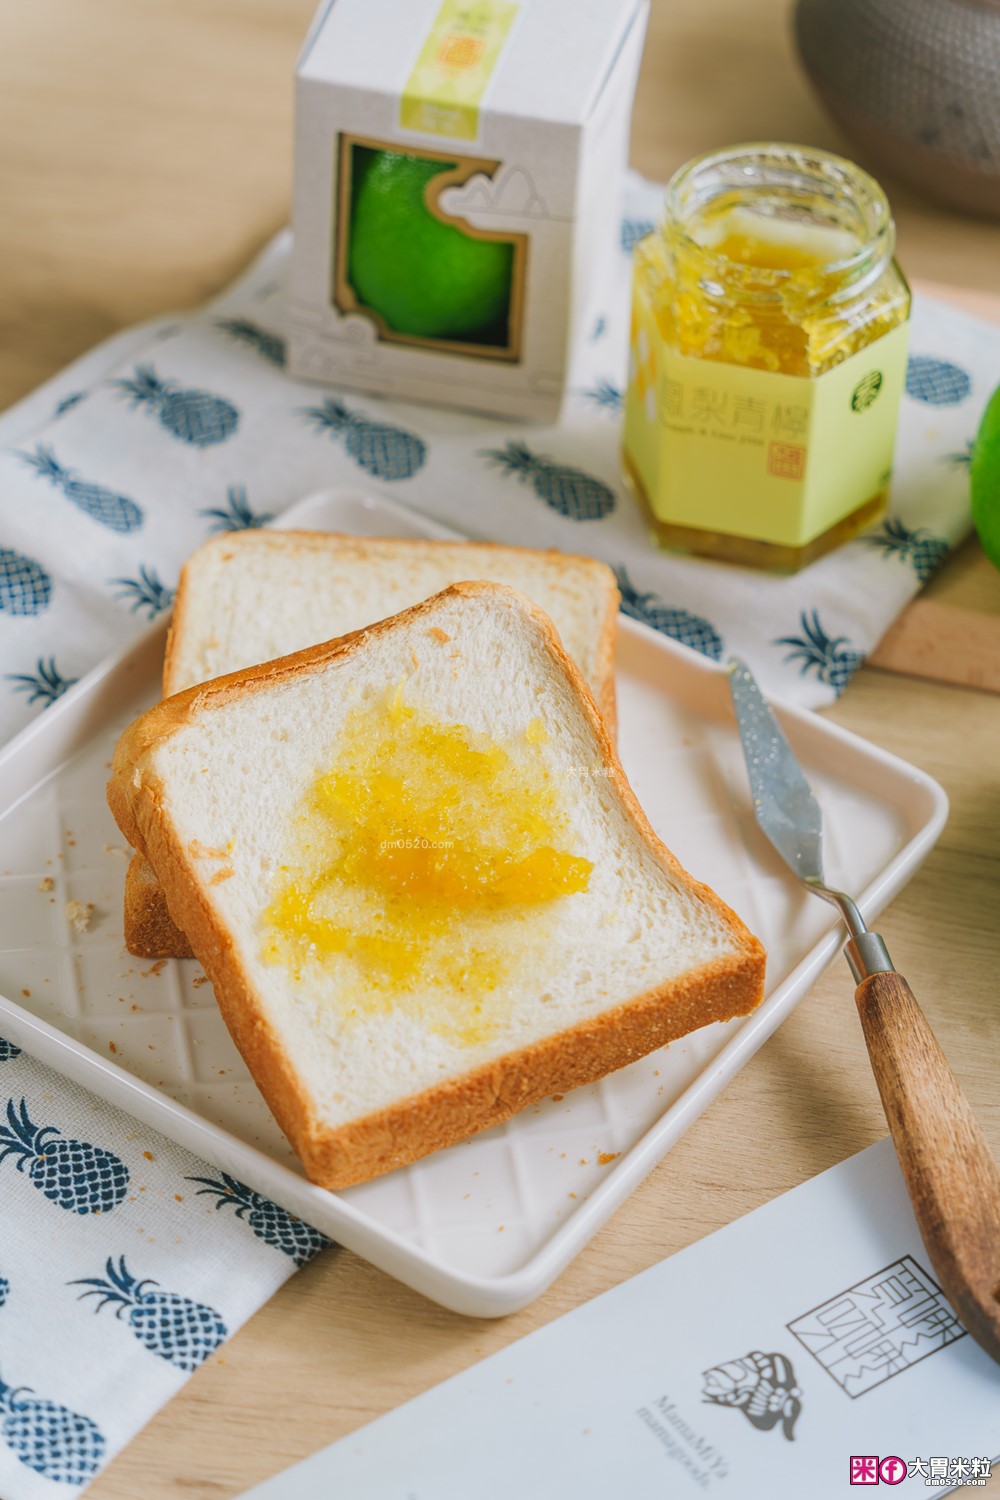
x,y
768,357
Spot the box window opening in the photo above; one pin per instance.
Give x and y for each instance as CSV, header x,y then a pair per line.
x,y
421,275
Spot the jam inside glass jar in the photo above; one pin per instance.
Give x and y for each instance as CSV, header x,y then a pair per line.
x,y
773,269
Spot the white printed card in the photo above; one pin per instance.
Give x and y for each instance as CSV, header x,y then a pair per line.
x,y
803,1353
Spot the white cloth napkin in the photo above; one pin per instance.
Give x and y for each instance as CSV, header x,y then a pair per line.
x,y
113,473
124,1264
109,476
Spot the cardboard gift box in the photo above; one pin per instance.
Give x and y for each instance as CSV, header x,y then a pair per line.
x,y
457,174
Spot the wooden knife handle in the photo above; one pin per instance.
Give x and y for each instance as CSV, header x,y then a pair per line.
x,y
953,1180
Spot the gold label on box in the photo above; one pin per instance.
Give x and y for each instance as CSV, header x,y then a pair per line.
x,y
780,458
446,87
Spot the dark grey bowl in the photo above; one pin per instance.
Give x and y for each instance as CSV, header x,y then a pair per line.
x,y
917,84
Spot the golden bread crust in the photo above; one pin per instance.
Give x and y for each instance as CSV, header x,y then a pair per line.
x,y
150,930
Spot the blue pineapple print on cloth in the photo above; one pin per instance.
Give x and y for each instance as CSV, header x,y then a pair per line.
x,y
116,512
691,630
937,382
270,345
8,1050
605,395
831,657
4,1290
919,547
179,1330
383,451
45,685
81,1178
195,417
68,402
569,491
25,587
57,1443
270,1223
634,230
236,514
145,592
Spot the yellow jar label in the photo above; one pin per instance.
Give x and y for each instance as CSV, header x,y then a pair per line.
x,y
780,458
446,87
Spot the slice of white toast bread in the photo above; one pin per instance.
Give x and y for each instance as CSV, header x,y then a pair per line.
x,y
208,786
247,597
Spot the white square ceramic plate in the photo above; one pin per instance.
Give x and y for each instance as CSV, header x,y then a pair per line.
x,y
485,1226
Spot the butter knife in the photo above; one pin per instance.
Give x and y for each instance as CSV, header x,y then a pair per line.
x,y
950,1173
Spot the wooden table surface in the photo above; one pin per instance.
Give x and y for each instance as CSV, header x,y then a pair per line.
x,y
144,155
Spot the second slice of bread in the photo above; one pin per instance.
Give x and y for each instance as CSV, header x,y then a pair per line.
x,y
207,784
249,596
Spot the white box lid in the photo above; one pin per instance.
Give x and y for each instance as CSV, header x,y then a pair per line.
x,y
553,65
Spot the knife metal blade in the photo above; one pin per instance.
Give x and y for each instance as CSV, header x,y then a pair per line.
x,y
783,801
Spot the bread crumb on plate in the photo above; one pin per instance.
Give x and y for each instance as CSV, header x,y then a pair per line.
x,y
78,915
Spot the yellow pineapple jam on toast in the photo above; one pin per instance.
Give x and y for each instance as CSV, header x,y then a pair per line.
x,y
421,865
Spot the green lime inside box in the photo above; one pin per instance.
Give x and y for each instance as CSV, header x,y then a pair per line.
x,y
458,168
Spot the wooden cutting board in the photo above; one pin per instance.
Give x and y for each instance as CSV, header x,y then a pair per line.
x,y
951,633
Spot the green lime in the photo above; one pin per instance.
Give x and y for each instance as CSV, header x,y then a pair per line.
x,y
984,479
424,277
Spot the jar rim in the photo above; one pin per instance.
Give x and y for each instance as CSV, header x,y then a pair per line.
x,y
834,177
